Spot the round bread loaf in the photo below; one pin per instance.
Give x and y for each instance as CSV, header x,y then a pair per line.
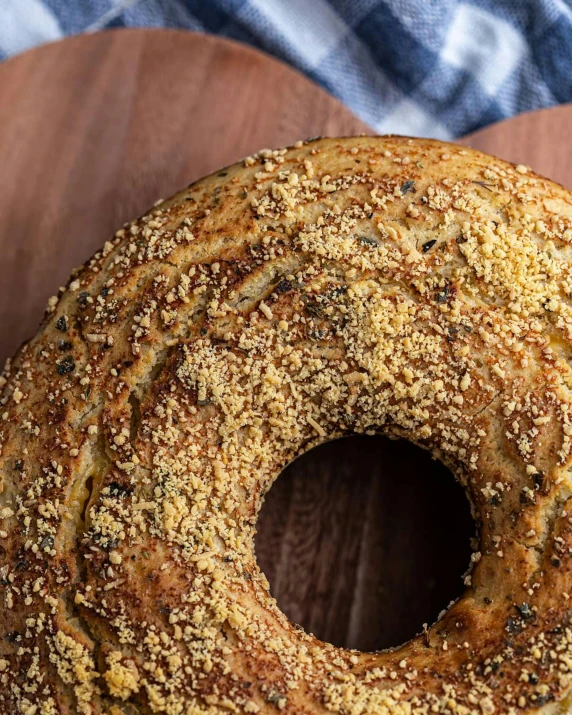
x,y
405,287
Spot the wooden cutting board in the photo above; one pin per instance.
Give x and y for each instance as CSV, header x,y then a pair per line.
x,y
364,539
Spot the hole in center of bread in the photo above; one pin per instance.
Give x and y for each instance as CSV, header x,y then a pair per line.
x,y
365,539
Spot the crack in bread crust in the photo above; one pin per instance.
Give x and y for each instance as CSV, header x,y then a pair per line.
x,y
359,285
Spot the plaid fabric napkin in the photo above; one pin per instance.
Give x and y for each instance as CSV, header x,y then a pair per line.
x,y
439,68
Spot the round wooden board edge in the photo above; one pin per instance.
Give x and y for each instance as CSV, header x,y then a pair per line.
x,y
231,44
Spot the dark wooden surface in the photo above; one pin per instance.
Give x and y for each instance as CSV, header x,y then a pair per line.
x,y
363,539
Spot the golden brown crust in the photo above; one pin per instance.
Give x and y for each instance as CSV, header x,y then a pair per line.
x,y
344,285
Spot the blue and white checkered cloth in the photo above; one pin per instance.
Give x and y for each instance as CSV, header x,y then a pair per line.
x,y
439,68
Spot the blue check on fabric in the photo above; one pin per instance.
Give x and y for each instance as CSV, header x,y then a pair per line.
x,y
439,68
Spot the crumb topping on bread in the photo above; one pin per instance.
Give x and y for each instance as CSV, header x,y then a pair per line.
x,y
359,285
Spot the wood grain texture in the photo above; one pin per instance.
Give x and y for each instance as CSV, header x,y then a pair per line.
x,y
363,539
540,139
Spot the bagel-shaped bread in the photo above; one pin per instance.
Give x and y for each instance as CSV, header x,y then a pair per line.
x,y
405,287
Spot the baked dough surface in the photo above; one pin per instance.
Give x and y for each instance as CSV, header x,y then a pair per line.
x,y
407,287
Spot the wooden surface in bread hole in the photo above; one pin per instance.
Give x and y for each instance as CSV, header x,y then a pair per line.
x,y
364,539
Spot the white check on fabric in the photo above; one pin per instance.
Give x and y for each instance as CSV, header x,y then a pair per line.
x,y
438,68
